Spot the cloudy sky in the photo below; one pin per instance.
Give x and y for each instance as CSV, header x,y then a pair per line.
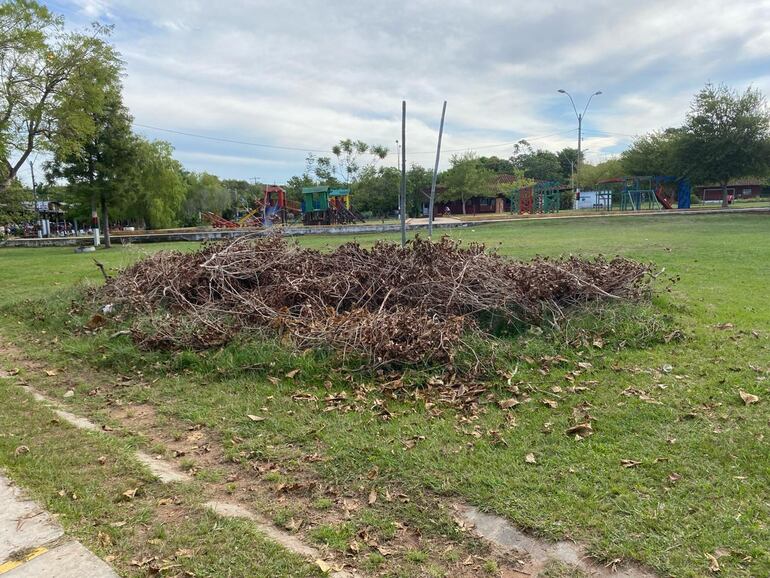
x,y
299,75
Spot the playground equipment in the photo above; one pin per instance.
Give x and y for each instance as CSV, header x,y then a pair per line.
x,y
543,197
327,206
649,192
270,209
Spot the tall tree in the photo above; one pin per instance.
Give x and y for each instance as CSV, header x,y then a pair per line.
x,y
51,83
656,153
466,178
726,136
99,166
205,193
156,185
538,164
568,160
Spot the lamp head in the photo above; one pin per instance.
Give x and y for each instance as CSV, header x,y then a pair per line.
x,y
562,91
597,93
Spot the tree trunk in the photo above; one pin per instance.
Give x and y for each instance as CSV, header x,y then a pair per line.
x,y
463,200
725,204
105,222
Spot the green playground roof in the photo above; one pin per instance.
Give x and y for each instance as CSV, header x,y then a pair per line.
x,y
308,190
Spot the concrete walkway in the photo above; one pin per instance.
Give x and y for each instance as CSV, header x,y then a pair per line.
x,y
33,545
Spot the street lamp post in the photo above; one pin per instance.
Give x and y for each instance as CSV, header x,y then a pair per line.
x,y
580,117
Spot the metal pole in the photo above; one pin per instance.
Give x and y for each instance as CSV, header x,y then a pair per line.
x,y
432,202
402,196
580,142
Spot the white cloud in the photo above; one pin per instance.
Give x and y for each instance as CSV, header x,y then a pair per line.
x,y
307,73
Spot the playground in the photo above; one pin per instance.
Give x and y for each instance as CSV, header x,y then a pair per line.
x,y
675,444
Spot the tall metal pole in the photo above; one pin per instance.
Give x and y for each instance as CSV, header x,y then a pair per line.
x,y
580,129
402,196
432,202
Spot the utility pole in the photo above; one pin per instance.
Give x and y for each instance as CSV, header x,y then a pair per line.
x,y
402,196
580,117
432,202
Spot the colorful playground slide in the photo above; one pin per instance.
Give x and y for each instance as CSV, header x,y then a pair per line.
x,y
662,199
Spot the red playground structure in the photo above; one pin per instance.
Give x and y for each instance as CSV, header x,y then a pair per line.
x,y
271,209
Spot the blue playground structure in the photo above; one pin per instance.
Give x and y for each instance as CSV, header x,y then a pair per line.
x,y
649,192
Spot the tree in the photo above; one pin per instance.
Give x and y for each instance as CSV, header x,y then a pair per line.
x,y
243,194
497,165
418,181
656,153
99,166
52,83
592,175
377,191
205,193
351,159
568,160
538,164
466,178
156,186
726,136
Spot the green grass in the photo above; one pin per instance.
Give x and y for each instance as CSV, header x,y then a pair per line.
x,y
702,492
81,477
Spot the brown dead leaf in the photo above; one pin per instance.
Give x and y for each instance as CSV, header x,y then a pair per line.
x,y
50,372
104,539
130,494
255,417
630,463
724,326
372,497
748,398
530,458
102,460
551,403
20,451
325,568
713,562
508,403
582,429
292,373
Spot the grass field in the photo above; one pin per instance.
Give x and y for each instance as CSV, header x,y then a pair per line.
x,y
699,463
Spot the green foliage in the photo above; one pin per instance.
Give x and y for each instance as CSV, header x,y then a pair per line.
x,y
656,153
497,165
205,192
466,178
540,165
726,136
351,160
568,161
16,205
591,175
376,191
157,185
53,83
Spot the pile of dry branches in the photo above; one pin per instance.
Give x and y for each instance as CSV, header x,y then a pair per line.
x,y
388,303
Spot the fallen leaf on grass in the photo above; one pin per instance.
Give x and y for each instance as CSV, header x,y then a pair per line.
x,y
325,568
508,403
551,403
255,417
20,451
530,458
724,326
50,372
130,494
102,460
748,398
104,539
69,393
713,562
372,496
629,463
292,373
582,429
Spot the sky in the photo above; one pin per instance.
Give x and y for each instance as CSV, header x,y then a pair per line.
x,y
299,75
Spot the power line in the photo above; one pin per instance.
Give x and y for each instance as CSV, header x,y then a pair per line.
x,y
227,140
312,150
